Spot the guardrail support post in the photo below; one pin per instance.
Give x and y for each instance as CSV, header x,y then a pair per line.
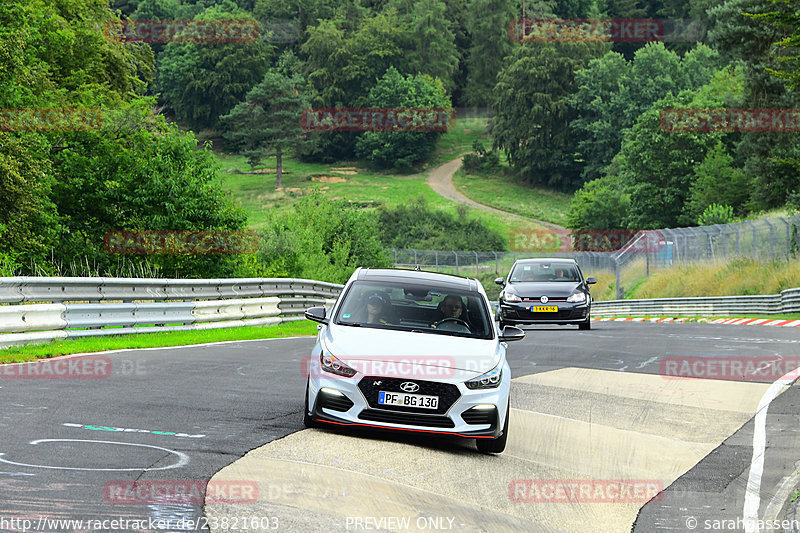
x,y
616,275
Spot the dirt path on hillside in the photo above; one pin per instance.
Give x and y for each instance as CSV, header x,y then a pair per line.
x,y
440,179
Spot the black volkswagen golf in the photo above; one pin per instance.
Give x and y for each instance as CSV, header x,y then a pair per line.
x,y
545,291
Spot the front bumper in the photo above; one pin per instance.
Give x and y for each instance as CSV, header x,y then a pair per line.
x,y
349,406
520,313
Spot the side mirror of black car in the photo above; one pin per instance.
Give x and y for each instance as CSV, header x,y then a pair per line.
x,y
500,281
511,333
591,281
317,314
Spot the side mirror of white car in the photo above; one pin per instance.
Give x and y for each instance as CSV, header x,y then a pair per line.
x,y
317,314
511,333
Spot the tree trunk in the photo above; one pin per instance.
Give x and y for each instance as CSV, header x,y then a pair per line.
x,y
279,169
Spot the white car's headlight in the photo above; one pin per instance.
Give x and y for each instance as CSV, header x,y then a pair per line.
x,y
511,297
489,380
578,297
329,363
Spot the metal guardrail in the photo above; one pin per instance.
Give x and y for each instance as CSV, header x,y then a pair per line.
x,y
43,309
787,301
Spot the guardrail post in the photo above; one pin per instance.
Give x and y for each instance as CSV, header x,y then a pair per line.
x,y
456,254
616,275
496,268
476,263
436,256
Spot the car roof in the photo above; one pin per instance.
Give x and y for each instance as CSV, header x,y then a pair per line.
x,y
437,279
546,260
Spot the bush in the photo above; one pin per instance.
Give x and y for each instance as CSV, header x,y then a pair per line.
x,y
416,225
716,214
320,239
482,160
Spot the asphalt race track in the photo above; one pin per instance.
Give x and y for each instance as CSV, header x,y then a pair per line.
x,y
589,407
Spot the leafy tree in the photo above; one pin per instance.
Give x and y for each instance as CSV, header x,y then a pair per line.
x,y
402,149
201,81
268,120
534,111
490,45
717,181
613,92
137,172
599,204
740,30
434,51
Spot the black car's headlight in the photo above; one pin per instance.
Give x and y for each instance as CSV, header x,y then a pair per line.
x,y
577,298
329,363
511,297
489,380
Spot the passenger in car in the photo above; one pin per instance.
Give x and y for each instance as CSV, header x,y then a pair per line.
x,y
377,309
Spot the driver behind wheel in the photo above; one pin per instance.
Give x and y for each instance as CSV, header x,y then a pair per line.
x,y
450,307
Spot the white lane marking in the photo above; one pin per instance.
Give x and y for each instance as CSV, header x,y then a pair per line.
x,y
752,497
183,459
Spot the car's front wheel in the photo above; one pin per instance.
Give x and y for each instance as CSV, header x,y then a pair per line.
x,y
308,421
495,445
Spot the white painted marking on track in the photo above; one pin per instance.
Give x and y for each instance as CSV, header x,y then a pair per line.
x,y
183,459
752,497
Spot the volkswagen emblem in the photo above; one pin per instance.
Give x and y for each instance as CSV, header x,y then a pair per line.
x,y
409,386
544,299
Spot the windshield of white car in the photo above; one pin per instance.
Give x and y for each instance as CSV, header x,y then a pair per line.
x,y
415,307
544,272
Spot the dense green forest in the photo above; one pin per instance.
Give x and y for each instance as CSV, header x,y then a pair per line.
x,y
573,116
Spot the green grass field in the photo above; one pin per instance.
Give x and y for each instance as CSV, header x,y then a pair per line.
x,y
18,354
505,193
349,181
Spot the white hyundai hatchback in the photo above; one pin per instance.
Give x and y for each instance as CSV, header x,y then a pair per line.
x,y
411,351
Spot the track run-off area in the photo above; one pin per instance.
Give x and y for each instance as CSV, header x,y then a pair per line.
x,y
606,434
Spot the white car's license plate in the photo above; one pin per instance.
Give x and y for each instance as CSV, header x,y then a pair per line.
x,y
408,400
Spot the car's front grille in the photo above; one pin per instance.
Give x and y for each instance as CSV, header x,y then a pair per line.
x,y
447,393
409,419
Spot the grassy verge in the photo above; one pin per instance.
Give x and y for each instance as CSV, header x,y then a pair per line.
x,y
737,277
505,193
784,316
31,352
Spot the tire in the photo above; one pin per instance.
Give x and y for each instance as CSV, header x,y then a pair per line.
x,y
586,325
307,420
495,445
